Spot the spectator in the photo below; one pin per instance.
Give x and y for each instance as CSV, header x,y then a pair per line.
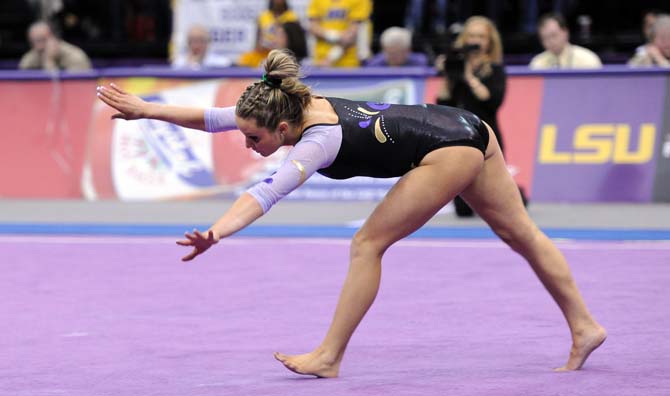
x,y
269,23
648,20
396,45
291,35
334,26
657,52
198,56
475,76
48,52
475,79
560,54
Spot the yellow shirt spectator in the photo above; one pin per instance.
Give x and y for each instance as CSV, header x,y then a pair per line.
x,y
266,36
335,24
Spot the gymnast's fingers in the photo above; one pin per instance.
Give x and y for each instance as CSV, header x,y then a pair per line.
x,y
107,100
117,89
106,96
190,256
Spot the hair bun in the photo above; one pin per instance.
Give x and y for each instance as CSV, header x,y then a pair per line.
x,y
272,82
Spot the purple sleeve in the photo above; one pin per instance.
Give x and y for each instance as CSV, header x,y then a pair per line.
x,y
220,119
316,150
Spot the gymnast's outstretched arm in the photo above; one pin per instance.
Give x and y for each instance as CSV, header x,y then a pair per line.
x,y
132,107
316,150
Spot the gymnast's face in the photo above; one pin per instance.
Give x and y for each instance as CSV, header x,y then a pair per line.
x,y
262,140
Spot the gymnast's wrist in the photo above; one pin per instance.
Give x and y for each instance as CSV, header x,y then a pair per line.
x,y
155,111
217,235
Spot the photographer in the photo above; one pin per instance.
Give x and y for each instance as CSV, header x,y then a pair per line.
x,y
475,78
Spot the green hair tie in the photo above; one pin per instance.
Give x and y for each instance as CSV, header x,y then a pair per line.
x,y
272,82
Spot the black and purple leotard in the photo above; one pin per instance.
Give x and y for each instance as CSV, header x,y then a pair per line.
x,y
370,139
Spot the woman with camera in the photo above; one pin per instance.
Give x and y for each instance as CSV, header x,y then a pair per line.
x,y
475,78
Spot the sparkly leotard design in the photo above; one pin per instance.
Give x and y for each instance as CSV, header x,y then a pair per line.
x,y
372,117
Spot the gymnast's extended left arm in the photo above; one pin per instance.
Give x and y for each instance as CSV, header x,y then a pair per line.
x,y
132,107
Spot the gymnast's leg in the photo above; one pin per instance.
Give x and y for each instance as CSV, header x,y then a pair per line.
x,y
416,197
495,197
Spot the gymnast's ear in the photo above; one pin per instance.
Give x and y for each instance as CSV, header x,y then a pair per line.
x,y
283,127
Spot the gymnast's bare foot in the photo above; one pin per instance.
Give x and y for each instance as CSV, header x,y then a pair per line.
x,y
318,363
583,343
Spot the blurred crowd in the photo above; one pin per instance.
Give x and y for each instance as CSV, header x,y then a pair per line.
x,y
65,34
468,43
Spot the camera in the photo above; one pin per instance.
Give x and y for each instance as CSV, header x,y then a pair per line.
x,y
454,65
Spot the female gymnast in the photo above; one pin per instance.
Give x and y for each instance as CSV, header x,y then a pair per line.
x,y
438,151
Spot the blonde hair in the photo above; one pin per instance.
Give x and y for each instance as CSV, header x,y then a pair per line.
x,y
279,96
495,51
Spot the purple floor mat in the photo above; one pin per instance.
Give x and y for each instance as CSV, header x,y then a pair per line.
x,y
124,317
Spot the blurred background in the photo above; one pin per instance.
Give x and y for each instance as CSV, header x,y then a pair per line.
x,y
132,32
578,92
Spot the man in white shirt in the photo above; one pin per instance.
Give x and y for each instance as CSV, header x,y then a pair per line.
x,y
48,52
560,54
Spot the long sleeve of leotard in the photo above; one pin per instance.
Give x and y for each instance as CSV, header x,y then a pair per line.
x,y
220,119
317,149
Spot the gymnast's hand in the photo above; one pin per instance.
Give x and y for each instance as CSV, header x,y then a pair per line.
x,y
199,241
130,107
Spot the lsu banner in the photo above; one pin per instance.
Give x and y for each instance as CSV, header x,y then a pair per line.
x,y
662,179
569,138
598,137
155,160
43,137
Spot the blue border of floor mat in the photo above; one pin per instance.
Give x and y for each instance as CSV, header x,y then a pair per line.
x,y
316,231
